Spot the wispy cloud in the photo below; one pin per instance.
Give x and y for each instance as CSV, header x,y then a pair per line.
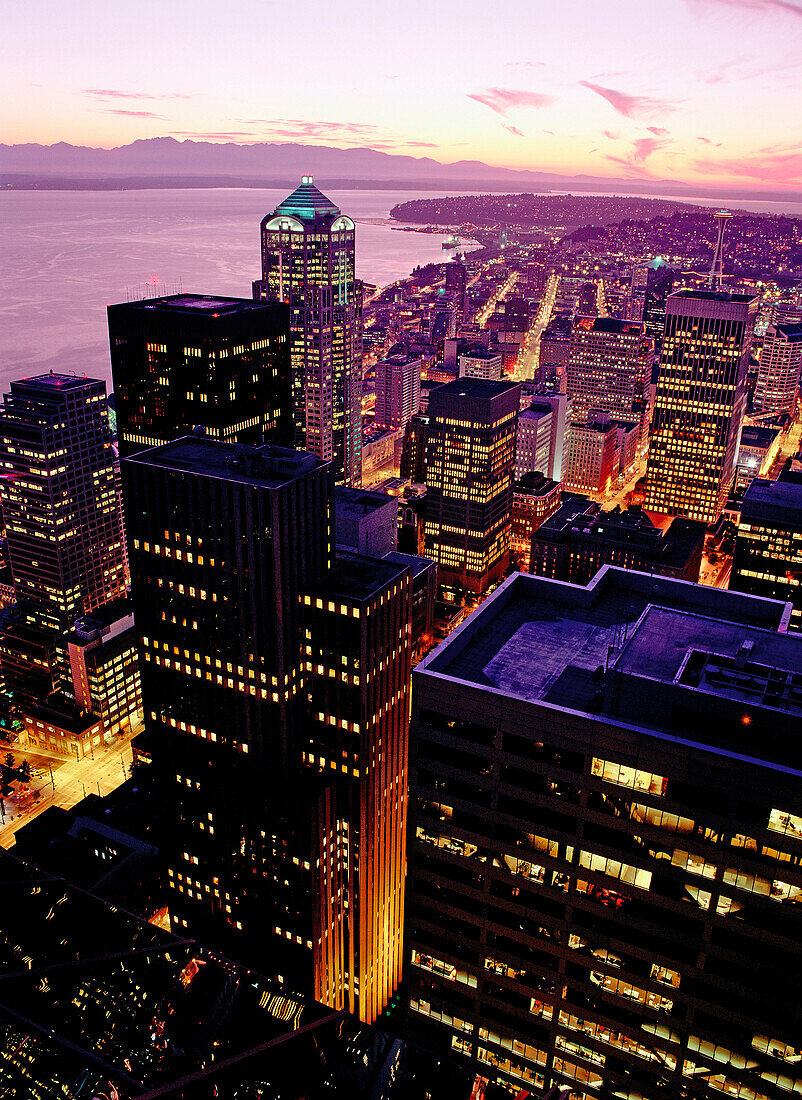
x,y
117,93
502,100
761,7
215,135
640,151
631,106
777,163
129,114
609,134
512,129
658,131
299,129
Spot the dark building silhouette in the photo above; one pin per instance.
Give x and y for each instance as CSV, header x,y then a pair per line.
x,y
193,359
275,689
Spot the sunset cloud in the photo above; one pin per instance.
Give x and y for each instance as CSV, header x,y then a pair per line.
x,y
630,106
761,7
116,93
130,114
502,100
512,129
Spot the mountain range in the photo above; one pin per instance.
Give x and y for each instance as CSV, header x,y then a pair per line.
x,y
165,161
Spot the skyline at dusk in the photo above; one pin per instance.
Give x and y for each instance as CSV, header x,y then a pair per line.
x,y
701,91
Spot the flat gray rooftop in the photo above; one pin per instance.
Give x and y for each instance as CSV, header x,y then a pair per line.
x,y
538,639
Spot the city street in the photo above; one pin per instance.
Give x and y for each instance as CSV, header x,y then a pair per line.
x,y
73,780
529,354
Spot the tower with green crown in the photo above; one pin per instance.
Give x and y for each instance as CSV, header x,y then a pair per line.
x,y
308,262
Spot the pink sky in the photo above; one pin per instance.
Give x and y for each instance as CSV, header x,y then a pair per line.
x,y
705,91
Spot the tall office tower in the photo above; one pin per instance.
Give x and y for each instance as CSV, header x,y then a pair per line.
x,y
516,317
470,460
779,369
193,359
232,554
660,283
308,262
700,403
397,390
413,454
63,521
768,546
443,322
358,684
608,813
609,368
455,290
637,290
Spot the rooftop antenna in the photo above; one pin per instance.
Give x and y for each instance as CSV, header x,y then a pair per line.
x,y
716,273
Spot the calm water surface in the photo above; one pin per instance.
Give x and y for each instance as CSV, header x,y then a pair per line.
x,y
65,255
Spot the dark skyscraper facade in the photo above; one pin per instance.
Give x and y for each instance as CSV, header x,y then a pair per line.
x,y
62,516
275,690
470,463
768,547
192,359
604,880
308,256
700,402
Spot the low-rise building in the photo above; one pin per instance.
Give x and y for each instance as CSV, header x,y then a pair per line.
x,y
579,538
59,725
593,454
534,499
757,453
365,522
104,664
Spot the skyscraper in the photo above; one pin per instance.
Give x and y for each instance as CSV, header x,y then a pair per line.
x,y
455,289
608,813
700,403
63,520
779,369
470,461
308,256
609,368
275,690
543,432
397,389
192,359
768,546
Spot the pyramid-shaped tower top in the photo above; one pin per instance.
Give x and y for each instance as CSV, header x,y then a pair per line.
x,y
306,202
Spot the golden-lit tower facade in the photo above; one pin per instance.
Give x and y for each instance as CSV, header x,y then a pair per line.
x,y
308,258
700,402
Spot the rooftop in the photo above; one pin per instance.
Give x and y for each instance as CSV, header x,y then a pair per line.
x,y
360,502
269,466
195,305
359,578
306,202
609,324
773,502
753,435
550,642
476,388
52,382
